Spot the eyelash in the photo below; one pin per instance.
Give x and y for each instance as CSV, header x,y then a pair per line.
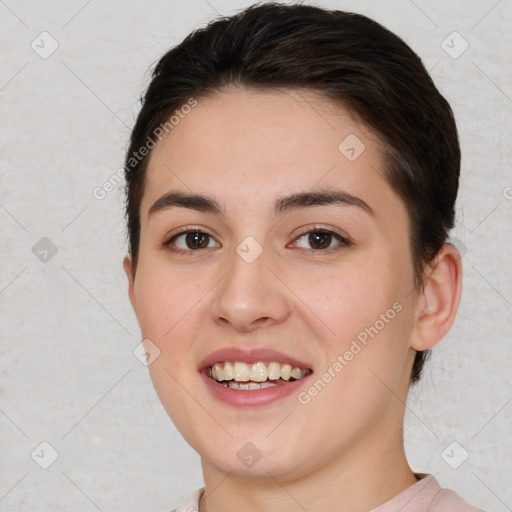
x,y
344,242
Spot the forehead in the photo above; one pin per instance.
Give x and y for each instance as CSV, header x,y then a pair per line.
x,y
249,147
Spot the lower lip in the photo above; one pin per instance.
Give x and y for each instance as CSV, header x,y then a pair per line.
x,y
251,397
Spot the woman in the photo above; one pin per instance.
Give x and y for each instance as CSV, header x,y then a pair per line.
x,y
291,181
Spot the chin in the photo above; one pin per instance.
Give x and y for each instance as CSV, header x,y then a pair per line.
x,y
255,457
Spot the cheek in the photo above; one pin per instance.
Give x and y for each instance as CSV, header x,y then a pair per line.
x,y
164,298
348,300
360,381
360,317
169,309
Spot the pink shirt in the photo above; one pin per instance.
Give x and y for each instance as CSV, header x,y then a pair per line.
x,y
426,495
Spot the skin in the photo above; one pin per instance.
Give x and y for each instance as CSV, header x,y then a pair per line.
x,y
343,450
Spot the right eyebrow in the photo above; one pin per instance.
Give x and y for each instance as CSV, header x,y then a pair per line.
x,y
197,202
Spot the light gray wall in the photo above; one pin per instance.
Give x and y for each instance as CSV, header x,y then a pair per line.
x,y
68,376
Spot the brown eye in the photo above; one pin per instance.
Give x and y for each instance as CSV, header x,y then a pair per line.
x,y
322,240
189,241
196,240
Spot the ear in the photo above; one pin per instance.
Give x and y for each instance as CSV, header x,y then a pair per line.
x,y
130,273
438,302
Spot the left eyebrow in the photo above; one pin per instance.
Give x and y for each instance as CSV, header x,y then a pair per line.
x,y
320,198
284,204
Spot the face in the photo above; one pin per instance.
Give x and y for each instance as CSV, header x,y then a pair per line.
x,y
324,286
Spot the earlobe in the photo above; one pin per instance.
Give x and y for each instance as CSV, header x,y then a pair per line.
x,y
440,299
129,270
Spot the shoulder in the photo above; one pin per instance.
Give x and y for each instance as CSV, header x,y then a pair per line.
x,y
426,495
191,503
447,500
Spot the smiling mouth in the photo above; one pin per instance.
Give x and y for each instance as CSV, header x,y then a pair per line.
x,y
259,375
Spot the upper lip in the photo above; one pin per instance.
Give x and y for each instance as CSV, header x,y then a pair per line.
x,y
250,356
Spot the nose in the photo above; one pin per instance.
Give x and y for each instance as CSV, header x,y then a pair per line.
x,y
250,296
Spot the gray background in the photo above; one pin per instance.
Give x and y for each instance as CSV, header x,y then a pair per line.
x,y
68,374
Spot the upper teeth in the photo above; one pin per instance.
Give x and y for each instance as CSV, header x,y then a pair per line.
x,y
257,372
